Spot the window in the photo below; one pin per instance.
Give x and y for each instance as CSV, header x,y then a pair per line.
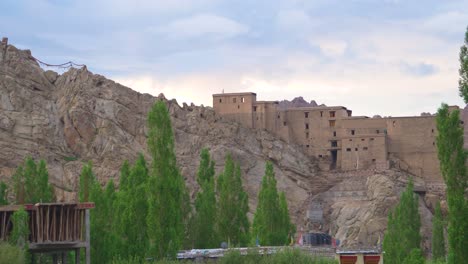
x,y
433,143
432,131
334,144
332,113
307,134
255,109
306,126
307,146
320,156
238,106
220,100
242,100
334,133
352,132
234,100
306,114
377,131
278,116
356,149
321,113
371,139
348,149
373,160
284,123
364,148
332,123
350,139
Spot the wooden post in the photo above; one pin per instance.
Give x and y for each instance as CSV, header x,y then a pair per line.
x,y
88,237
77,255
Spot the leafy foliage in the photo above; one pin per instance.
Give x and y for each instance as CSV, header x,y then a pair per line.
x,y
166,187
3,193
402,235
233,224
204,231
463,81
132,209
452,159
285,256
438,241
11,254
19,234
271,223
31,183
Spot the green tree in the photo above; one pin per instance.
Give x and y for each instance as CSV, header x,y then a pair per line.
x,y
204,230
132,207
3,193
452,159
288,227
45,191
415,257
403,228
268,221
463,71
166,187
438,241
233,224
87,180
19,234
31,183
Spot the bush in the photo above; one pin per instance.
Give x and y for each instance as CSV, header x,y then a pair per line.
x,y
283,257
11,254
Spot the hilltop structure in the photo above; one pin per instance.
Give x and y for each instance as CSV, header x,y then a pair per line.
x,y
339,140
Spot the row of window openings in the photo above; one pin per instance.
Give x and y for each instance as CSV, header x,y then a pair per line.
x,y
332,114
321,156
234,100
356,149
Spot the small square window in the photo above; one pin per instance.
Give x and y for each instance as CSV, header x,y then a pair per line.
x,y
238,106
352,132
255,109
306,126
321,113
373,160
284,123
350,139
334,133
234,100
334,144
432,131
320,156
348,149
306,114
371,139
332,123
363,139
332,113
307,146
377,131
364,148
220,100
356,149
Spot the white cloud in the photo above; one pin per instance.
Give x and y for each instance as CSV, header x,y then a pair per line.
x,y
202,25
330,47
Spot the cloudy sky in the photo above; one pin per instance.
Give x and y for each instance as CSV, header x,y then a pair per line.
x,y
386,57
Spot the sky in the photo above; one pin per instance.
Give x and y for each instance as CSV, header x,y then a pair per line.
x,y
385,57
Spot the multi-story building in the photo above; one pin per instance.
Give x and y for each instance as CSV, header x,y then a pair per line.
x,y
339,140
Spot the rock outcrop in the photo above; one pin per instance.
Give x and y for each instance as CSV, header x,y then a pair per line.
x,y
80,116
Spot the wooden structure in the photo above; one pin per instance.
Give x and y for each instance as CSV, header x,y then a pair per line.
x,y
54,228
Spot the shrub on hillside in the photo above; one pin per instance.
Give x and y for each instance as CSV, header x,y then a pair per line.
x,y
11,255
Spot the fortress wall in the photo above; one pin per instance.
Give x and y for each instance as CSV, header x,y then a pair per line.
x,y
412,140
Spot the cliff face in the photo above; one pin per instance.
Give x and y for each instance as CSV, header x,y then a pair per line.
x,y
79,116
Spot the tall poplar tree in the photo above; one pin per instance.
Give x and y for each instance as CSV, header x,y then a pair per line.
x,y
268,221
463,71
204,225
233,224
403,228
132,210
45,191
452,159
87,180
438,241
166,188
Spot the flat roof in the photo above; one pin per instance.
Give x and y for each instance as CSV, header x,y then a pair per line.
x,y
314,108
266,102
233,94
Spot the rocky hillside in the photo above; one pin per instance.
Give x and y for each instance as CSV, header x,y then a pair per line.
x,y
297,102
79,116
